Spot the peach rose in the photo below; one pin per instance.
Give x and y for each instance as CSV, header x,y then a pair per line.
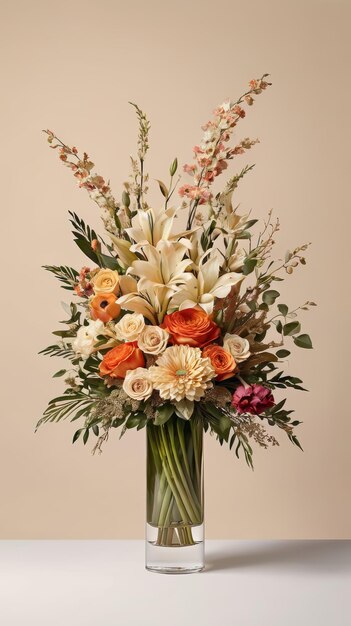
x,y
124,357
192,327
104,307
222,361
106,281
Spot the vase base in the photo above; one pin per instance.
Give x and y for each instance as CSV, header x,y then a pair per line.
x,y
174,569
177,550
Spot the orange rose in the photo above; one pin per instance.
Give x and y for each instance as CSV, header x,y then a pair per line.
x,y
222,361
104,307
192,327
117,362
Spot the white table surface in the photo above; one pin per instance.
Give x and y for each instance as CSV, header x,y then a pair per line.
x,y
246,583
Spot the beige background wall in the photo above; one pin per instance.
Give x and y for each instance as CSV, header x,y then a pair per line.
x,y
72,67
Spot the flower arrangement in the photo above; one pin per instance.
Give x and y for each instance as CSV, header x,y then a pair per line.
x,y
168,325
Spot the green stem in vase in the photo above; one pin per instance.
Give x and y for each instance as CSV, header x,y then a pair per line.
x,y
181,486
174,488
190,492
165,507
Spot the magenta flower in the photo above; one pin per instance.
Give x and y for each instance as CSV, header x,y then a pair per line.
x,y
254,399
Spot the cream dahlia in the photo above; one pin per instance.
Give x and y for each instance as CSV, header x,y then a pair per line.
x,y
181,372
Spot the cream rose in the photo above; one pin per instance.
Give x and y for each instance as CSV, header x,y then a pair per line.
x,y
138,384
153,340
130,327
86,338
106,281
238,347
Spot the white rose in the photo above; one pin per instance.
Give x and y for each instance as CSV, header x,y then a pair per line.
x,y
138,384
153,340
238,347
130,327
85,341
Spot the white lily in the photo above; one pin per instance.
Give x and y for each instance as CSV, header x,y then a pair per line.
x,y
231,223
122,247
201,290
151,303
127,284
165,266
152,225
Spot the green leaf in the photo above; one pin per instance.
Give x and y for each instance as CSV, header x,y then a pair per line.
x,y
283,309
303,341
134,420
110,262
174,167
245,234
270,296
125,199
66,275
249,266
77,434
291,328
252,305
250,223
295,440
219,421
279,327
142,423
163,188
163,414
118,421
95,429
86,248
278,406
281,354
86,436
59,373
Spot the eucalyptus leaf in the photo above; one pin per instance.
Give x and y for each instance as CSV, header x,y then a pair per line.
x,y
281,354
270,296
291,328
283,309
303,341
249,266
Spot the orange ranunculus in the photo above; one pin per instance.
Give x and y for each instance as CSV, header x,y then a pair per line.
x,y
222,361
104,307
124,357
192,327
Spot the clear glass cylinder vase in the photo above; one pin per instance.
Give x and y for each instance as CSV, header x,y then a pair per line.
x,y
175,498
